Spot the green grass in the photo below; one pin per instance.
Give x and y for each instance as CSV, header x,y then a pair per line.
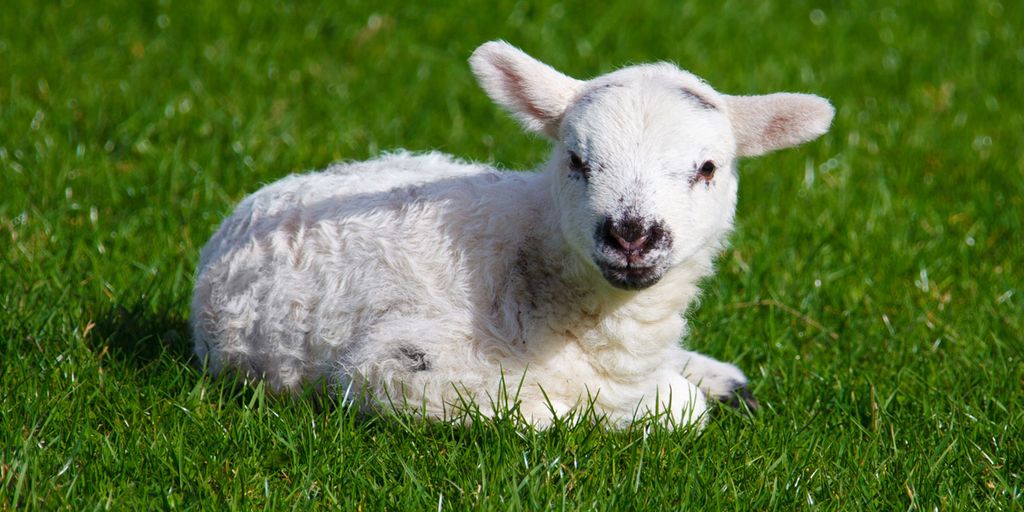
x,y
873,289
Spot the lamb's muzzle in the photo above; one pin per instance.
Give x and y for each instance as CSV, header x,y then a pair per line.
x,y
632,237
623,249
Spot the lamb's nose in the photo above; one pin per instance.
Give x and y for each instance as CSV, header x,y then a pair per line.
x,y
628,245
630,236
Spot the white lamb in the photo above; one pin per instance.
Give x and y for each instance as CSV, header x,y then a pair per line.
x,y
422,282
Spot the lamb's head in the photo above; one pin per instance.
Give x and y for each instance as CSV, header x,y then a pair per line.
x,y
644,160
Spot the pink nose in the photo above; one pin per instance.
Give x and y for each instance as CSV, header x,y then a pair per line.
x,y
629,245
632,237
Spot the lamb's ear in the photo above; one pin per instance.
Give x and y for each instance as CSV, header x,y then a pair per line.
x,y
532,91
775,121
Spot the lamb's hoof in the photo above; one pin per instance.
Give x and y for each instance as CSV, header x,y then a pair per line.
x,y
741,397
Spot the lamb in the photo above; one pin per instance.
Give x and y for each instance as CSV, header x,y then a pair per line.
x,y
422,283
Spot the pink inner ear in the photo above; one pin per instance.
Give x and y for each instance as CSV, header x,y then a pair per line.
x,y
778,128
515,87
775,121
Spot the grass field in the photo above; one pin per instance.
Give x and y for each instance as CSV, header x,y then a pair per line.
x,y
873,291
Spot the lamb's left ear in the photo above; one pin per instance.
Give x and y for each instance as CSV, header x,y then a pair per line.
x,y
775,121
532,91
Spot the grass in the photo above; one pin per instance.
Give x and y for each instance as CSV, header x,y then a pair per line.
x,y
873,289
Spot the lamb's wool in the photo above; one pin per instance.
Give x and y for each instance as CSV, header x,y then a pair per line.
x,y
421,281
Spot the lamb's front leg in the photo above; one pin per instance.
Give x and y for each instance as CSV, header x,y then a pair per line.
x,y
721,381
680,402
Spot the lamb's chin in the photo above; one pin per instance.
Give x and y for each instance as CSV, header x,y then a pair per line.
x,y
630,277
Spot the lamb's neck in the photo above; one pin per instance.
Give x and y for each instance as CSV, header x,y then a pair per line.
x,y
559,297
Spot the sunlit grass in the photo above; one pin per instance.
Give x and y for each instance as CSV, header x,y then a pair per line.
x,y
872,290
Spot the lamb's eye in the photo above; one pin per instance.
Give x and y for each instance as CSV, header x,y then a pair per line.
x,y
578,166
707,170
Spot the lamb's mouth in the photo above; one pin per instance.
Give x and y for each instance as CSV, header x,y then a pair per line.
x,y
629,276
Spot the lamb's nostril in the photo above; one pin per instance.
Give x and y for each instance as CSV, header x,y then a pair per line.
x,y
628,236
630,245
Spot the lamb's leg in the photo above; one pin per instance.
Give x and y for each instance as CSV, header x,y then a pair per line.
x,y
681,401
541,411
721,381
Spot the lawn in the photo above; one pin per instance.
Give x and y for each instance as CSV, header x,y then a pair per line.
x,y
873,289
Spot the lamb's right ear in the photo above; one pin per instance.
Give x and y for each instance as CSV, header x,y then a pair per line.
x,y
532,91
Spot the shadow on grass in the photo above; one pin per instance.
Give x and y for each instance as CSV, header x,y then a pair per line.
x,y
152,340
140,335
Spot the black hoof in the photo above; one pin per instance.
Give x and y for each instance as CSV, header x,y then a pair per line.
x,y
741,397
